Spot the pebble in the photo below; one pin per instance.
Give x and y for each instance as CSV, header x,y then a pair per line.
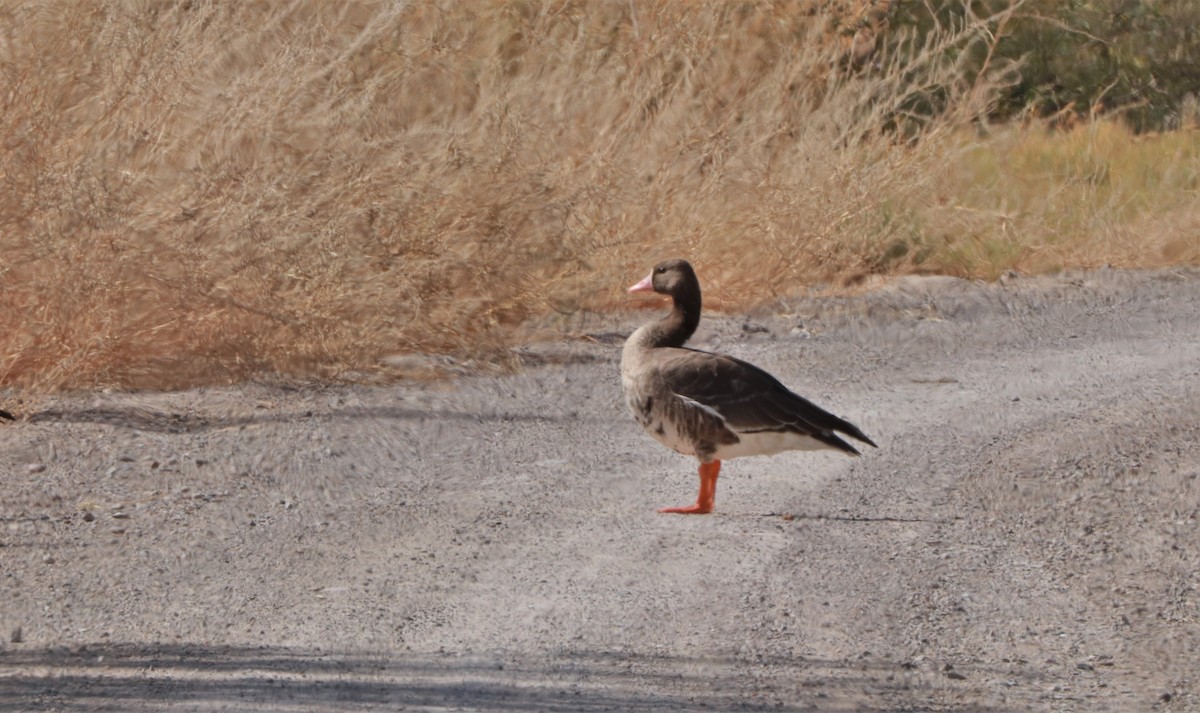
x,y
36,467
16,636
88,516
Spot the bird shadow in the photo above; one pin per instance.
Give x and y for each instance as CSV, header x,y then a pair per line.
x,y
789,516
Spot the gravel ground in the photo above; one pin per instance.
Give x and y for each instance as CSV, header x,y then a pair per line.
x,y
1025,538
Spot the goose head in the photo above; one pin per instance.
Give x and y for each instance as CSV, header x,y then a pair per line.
x,y
675,278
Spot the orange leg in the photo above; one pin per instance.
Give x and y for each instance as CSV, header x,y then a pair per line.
x,y
708,491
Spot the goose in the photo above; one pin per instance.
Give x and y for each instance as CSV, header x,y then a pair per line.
x,y
710,405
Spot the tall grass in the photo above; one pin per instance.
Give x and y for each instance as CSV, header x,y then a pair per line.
x,y
1036,201
199,191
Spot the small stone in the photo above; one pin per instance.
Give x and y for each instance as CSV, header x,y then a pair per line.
x,y
36,467
88,516
120,515
16,636
48,559
1085,666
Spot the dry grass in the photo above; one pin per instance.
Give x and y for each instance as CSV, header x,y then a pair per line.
x,y
199,191
1035,200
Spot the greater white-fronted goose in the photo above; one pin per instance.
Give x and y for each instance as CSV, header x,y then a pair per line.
x,y
710,405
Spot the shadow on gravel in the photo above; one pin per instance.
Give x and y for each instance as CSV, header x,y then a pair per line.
x,y
858,518
148,419
133,677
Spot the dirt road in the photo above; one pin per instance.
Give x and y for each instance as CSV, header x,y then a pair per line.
x,y
1025,538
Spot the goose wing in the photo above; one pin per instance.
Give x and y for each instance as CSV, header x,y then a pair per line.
x,y
748,399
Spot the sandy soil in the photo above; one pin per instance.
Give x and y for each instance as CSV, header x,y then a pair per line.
x,y
1025,538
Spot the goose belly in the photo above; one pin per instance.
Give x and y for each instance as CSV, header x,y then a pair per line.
x,y
766,443
664,432
660,428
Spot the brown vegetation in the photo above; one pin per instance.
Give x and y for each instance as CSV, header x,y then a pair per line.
x,y
200,191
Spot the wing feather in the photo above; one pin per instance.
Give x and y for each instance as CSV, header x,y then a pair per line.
x,y
747,398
